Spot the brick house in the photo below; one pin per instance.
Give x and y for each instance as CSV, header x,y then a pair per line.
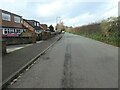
x,y
11,24
44,26
15,30
37,27
30,30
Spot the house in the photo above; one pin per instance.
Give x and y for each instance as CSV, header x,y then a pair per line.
x,y
44,26
46,34
11,24
30,32
13,30
37,27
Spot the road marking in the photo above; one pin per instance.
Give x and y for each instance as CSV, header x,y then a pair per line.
x,y
13,49
17,48
28,45
39,41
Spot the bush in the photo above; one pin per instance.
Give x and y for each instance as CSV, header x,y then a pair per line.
x,y
106,31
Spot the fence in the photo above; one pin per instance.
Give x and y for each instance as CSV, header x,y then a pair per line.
x,y
17,40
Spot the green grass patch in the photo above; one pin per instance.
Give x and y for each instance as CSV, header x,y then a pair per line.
x,y
111,39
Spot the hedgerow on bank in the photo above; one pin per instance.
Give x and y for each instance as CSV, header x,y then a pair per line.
x,y
107,31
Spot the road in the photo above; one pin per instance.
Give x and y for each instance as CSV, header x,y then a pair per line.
x,y
15,60
73,62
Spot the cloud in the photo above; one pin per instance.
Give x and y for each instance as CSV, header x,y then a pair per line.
x,y
49,9
111,13
13,6
80,19
111,9
77,12
54,8
8,1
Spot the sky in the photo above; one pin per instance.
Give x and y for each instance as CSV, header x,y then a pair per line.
x,y
70,12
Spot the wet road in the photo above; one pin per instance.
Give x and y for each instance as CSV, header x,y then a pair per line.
x,y
74,62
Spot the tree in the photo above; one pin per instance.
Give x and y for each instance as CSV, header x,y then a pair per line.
x,y
51,28
109,26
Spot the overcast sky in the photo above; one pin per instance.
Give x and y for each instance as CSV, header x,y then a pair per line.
x,y
71,12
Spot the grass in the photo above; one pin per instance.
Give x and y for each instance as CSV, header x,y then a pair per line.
x,y
111,39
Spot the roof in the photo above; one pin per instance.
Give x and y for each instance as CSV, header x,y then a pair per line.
x,y
41,27
35,27
28,22
33,21
24,27
10,13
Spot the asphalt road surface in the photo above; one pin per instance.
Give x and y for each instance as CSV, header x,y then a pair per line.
x,y
15,60
73,62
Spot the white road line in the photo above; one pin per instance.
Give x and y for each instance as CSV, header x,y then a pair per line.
x,y
17,48
13,49
39,41
28,45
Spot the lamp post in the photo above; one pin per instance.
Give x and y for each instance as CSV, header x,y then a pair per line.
x,y
57,19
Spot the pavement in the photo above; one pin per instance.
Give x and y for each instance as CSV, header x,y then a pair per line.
x,y
73,62
19,55
12,48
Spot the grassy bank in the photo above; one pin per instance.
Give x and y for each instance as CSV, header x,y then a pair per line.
x,y
112,39
106,31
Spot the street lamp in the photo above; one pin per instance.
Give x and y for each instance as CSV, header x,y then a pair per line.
x,y
57,19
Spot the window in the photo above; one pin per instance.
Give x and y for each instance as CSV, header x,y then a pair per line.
x,y
21,30
17,19
37,24
11,30
18,30
6,17
5,31
22,21
8,30
14,30
24,30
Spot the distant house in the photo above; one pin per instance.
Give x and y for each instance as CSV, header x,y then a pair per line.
x,y
37,27
44,26
30,32
11,24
